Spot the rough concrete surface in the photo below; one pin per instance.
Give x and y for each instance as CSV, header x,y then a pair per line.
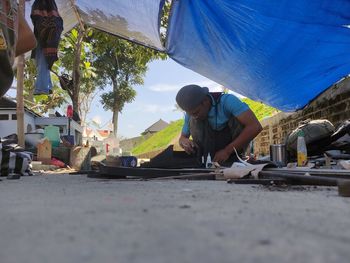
x,y
72,218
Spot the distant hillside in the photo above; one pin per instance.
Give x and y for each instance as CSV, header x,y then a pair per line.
x,y
260,110
162,139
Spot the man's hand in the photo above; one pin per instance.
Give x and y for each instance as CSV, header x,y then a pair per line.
x,y
221,156
187,144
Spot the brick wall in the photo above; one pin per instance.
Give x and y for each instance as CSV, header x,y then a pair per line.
x,y
333,105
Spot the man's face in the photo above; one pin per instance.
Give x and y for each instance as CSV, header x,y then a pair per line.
x,y
201,111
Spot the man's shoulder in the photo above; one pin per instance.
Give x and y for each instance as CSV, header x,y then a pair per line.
x,y
233,105
230,98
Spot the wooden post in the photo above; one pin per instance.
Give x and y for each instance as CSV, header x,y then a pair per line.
x,y
20,84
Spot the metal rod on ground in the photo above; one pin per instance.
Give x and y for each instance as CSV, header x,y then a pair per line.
x,y
272,181
191,176
345,174
301,179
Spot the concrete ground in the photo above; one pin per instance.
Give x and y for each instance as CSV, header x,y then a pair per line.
x,y
72,218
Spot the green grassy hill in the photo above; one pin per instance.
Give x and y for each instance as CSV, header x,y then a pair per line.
x,y
161,139
260,110
165,137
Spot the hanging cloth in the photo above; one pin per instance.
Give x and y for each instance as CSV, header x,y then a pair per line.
x,y
48,26
43,83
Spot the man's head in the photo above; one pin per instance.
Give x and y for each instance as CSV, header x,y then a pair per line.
x,y
194,100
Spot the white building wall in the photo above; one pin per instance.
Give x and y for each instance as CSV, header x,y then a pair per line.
x,y
8,127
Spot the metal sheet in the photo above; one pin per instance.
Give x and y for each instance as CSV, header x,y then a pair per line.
x,y
137,20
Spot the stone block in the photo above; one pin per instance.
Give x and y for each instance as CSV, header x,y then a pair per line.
x,y
80,158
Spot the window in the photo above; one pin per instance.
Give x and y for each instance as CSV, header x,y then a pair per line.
x,y
4,117
14,116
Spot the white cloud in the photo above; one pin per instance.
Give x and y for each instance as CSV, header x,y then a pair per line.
x,y
165,87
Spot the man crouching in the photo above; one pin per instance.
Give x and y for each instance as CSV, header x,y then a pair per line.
x,y
217,122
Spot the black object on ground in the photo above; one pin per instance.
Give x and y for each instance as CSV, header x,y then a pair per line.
x,y
300,179
110,172
340,174
13,176
171,159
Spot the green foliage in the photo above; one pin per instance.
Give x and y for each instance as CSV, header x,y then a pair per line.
x,y
122,64
75,62
260,110
161,139
68,48
124,93
164,21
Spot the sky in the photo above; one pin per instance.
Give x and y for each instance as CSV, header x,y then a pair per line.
x,y
155,99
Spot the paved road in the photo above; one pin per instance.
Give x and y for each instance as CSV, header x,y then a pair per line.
x,y
66,218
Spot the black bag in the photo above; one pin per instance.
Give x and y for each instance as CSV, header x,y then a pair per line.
x,y
317,135
14,160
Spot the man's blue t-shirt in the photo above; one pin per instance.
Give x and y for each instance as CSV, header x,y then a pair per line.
x,y
228,106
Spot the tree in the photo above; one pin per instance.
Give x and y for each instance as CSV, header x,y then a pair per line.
x,y
122,65
79,78
89,82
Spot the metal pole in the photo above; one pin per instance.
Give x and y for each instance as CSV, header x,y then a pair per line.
x,y
69,119
20,84
301,179
335,173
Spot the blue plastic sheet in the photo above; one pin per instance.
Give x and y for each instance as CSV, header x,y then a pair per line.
x,y
283,53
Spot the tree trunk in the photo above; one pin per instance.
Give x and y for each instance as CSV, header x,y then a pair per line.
x,y
115,109
76,72
115,122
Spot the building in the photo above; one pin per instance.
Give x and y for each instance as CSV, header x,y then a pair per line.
x,y
33,121
156,127
8,118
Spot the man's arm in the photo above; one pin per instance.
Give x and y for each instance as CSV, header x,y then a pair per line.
x,y
184,141
252,128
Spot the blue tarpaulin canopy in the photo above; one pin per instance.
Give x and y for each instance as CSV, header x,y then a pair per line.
x,y
283,53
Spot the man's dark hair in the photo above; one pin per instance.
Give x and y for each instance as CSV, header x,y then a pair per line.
x,y
190,96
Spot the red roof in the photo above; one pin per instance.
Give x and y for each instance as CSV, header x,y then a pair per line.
x,y
103,133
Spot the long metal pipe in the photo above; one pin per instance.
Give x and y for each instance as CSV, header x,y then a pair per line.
x,y
345,174
301,179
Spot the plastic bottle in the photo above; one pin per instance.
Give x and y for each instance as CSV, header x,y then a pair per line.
x,y
208,162
301,149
